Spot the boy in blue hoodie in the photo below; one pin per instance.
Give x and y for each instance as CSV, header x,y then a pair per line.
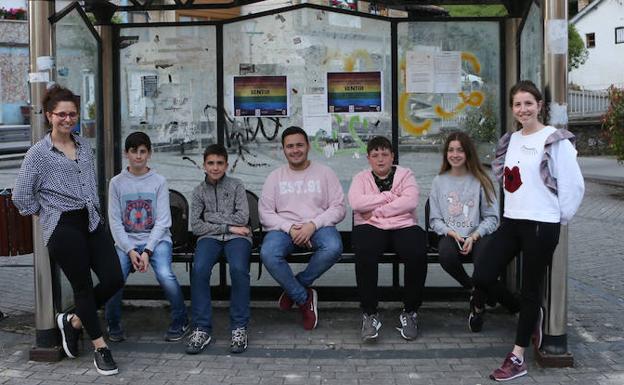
x,y
139,217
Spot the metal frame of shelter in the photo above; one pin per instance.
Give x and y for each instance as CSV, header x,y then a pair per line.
x,y
42,19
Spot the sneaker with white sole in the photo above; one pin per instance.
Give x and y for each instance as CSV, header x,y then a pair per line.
x,y
309,311
239,340
475,318
409,325
69,334
197,342
370,327
285,302
512,368
104,363
176,332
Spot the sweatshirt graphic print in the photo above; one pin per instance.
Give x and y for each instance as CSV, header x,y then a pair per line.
x,y
138,212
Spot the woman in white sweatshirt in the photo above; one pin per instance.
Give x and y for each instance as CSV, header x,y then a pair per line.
x,y
543,188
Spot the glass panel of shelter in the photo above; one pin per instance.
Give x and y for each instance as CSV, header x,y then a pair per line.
x,y
168,75
425,118
168,78
531,46
77,68
305,45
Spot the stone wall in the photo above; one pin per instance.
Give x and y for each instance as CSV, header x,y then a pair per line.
x,y
590,138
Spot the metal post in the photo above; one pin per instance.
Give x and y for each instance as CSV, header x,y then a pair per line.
x,y
103,12
512,28
554,350
107,65
47,337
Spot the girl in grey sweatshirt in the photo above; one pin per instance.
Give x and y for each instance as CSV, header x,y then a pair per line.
x,y
464,210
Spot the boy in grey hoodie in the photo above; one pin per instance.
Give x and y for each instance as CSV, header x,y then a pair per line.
x,y
219,218
139,217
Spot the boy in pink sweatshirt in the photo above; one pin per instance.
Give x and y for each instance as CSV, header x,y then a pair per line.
x,y
300,205
384,201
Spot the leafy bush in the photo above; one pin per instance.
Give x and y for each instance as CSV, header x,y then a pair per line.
x,y
481,122
613,122
13,13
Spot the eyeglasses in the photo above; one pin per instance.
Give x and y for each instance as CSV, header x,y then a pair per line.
x,y
64,115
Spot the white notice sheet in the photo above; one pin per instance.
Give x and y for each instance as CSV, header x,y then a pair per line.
x,y
447,78
419,72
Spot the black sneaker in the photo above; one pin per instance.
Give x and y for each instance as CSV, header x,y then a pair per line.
x,y
115,333
475,319
176,332
69,335
104,363
197,342
239,340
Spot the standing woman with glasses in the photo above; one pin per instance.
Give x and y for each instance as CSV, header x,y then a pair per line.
x,y
543,188
57,182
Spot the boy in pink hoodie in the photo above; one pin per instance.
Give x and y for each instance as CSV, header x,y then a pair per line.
x,y
300,205
384,202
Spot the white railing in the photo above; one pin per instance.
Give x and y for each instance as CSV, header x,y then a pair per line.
x,y
587,103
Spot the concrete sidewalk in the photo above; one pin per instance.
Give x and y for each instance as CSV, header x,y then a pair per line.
x,y
602,169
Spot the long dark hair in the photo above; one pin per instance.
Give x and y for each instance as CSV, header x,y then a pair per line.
x,y
54,95
473,164
531,88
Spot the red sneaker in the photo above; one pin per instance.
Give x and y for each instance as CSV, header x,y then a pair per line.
x,y
308,310
538,332
512,368
284,301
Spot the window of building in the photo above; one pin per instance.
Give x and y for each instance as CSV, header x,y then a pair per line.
x,y
619,35
590,39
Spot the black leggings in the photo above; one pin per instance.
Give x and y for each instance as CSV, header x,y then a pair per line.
x,y
450,259
537,242
369,243
77,252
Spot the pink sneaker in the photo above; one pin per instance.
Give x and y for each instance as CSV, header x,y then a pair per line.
x,y
284,301
511,368
538,332
308,310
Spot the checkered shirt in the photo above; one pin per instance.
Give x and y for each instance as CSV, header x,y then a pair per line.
x,y
49,184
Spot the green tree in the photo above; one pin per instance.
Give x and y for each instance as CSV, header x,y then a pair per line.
x,y
613,122
476,10
577,53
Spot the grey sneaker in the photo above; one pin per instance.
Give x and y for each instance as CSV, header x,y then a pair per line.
x,y
409,325
239,340
197,342
370,327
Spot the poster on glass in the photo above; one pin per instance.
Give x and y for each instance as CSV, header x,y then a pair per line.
x,y
354,92
260,96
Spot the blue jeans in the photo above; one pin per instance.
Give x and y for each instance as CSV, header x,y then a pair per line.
x,y
277,245
237,252
161,264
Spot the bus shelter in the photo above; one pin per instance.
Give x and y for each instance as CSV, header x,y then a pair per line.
x,y
343,75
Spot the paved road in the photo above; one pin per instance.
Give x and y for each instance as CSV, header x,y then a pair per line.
x,y
282,353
